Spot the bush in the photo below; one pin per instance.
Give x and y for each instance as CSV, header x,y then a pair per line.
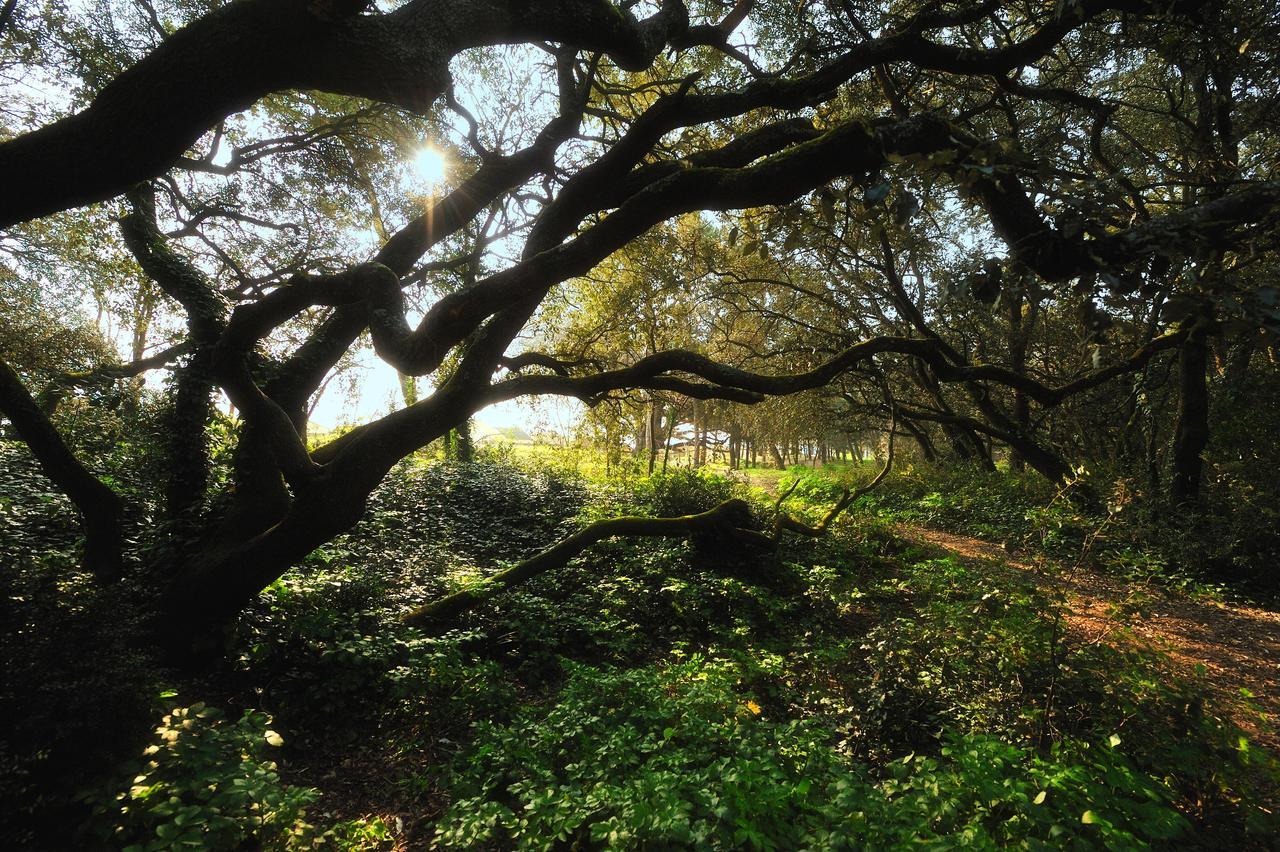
x,y
681,756
990,654
993,505
682,492
207,783
35,517
482,511
75,693
340,663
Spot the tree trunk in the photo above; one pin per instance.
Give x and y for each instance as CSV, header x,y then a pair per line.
x,y
211,589
922,440
408,387
1018,363
666,444
1239,356
699,434
651,435
1191,434
187,447
464,446
260,498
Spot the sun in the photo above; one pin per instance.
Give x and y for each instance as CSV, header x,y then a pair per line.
x,y
429,165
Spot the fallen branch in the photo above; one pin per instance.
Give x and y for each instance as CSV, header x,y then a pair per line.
x,y
786,522
729,522
731,517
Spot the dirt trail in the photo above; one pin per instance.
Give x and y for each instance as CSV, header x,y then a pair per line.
x,y
1239,646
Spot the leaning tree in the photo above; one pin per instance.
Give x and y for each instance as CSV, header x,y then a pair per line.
x,y
242,158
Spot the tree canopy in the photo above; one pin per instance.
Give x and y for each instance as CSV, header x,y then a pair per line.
x,y
1036,229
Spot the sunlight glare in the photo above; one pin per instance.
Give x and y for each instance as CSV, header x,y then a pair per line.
x,y
429,165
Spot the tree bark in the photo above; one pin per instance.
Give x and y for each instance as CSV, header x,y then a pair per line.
x,y
1018,363
651,435
922,440
187,447
101,510
731,518
228,59
1191,433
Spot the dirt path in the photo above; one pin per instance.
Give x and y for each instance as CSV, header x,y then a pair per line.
x,y
1239,646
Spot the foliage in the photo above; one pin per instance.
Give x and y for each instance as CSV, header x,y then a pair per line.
x,y
482,511
1214,550
75,695
678,492
869,213
641,696
680,756
208,783
341,666
987,652
34,515
996,506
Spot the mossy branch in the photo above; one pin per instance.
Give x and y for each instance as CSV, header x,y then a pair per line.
x,y
789,524
731,516
731,520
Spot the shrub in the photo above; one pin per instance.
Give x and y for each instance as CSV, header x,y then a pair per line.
x,y
207,783
75,693
682,492
480,511
680,755
984,653
35,517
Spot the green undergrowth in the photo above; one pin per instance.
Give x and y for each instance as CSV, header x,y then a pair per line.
x,y
845,692
855,694
1223,549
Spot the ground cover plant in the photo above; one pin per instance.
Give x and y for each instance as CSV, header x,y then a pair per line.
x,y
871,694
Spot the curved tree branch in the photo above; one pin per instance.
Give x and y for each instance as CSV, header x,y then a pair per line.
x,y
100,508
230,58
731,516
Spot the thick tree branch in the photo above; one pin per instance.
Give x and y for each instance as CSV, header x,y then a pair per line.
x,y
849,149
61,385
228,59
303,371
100,508
731,516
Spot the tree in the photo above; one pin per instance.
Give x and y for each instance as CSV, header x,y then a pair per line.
x,y
251,153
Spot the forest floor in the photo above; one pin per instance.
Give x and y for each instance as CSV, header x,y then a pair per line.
x,y
1237,645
